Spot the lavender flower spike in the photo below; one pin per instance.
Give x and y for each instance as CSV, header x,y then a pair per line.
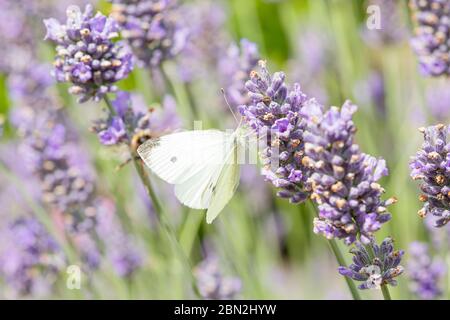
x,y
143,123
343,179
152,28
374,265
431,165
212,283
30,259
234,68
425,273
86,55
431,42
274,110
119,248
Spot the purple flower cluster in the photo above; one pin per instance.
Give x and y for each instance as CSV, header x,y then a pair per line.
x,y
86,56
424,272
17,40
374,265
274,111
431,165
343,179
118,247
30,259
432,36
133,123
49,148
211,282
152,28
234,68
66,180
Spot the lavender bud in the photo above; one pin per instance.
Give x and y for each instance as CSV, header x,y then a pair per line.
x,y
86,56
213,284
152,28
343,179
431,165
424,272
432,36
374,265
274,111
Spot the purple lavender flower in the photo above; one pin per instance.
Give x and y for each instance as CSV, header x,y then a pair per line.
x,y
393,29
274,110
67,183
17,41
28,83
343,179
374,265
438,101
152,28
431,164
213,284
432,34
133,123
86,55
30,259
440,237
234,69
425,273
50,148
118,246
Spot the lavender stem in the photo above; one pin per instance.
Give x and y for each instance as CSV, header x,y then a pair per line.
x,y
162,219
385,291
341,262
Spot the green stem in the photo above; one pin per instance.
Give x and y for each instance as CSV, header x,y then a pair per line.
x,y
385,291
162,218
341,261
191,100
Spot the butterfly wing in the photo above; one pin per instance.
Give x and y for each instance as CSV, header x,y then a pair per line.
x,y
226,185
196,192
177,157
192,160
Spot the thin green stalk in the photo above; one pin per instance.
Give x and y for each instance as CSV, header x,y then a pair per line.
x,y
162,218
191,100
340,260
385,291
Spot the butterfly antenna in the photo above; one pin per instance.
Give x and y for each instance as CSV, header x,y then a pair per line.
x,y
228,104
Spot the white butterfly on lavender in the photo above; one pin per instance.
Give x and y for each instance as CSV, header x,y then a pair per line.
x,y
203,165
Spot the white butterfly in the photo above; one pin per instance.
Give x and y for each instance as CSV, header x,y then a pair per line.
x,y
203,165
